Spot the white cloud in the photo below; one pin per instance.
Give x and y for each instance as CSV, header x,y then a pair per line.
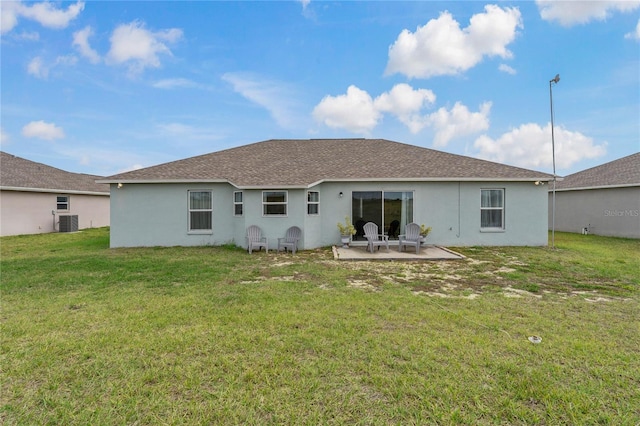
x,y
276,97
457,122
37,68
42,130
66,60
569,13
28,36
507,69
307,12
105,160
183,132
530,146
353,111
45,13
81,42
440,47
357,112
9,12
635,34
405,103
140,48
174,83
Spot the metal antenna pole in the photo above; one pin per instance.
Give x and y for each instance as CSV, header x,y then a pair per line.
x,y
556,79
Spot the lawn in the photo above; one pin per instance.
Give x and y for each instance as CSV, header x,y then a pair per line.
x,y
212,335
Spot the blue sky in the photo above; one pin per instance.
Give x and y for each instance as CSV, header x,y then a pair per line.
x,y
103,87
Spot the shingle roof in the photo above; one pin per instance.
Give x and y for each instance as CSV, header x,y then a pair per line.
x,y
303,162
16,172
622,172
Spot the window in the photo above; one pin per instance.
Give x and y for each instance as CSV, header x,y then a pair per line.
x,y
274,203
200,211
62,202
313,202
237,203
492,209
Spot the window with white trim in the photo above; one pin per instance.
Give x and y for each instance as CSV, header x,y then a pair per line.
x,y
237,203
274,203
313,203
62,202
492,209
200,211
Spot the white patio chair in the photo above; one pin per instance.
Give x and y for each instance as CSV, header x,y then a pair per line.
x,y
373,238
255,239
411,237
290,240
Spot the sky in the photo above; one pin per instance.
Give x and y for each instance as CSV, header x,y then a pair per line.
x,y
103,87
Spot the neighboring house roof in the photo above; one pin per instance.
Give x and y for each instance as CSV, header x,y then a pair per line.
x,y
618,173
18,174
306,162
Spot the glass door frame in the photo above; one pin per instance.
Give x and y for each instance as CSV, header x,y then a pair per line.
x,y
361,213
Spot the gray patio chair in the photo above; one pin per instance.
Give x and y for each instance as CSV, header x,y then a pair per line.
x,y
373,238
255,239
411,237
290,240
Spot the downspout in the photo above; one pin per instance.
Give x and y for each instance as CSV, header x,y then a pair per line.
x,y
458,234
53,213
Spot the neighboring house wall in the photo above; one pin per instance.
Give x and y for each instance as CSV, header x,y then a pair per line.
x,y
157,214
611,212
30,212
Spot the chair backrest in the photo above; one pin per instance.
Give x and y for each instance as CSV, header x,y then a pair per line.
x,y
254,233
293,234
412,231
371,230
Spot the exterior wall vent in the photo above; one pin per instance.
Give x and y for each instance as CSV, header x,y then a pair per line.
x,y
68,223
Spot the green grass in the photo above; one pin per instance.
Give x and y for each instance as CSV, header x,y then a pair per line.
x,y
212,335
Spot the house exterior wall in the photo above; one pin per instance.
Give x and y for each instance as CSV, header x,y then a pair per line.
x,y
157,214
27,212
452,209
613,212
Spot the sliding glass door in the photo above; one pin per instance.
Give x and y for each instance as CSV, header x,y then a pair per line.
x,y
398,211
390,210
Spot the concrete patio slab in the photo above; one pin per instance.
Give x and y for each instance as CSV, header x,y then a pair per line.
x,y
426,253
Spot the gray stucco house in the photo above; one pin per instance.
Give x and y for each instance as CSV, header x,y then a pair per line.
x,y
36,198
603,200
313,184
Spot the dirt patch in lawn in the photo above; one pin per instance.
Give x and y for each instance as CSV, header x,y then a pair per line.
x,y
469,279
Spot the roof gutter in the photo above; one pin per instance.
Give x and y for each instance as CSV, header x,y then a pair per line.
x,y
52,191
584,188
132,181
543,178
161,181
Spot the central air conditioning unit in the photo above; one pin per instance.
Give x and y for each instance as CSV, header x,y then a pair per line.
x,y
68,223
